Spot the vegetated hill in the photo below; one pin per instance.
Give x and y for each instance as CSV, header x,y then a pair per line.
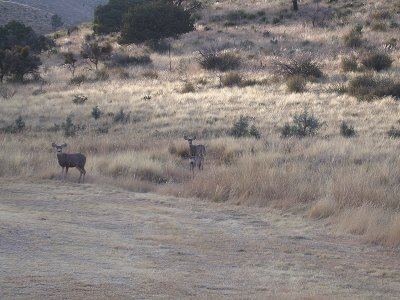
x,y
37,13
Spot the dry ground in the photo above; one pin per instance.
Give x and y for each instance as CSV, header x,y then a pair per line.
x,y
67,241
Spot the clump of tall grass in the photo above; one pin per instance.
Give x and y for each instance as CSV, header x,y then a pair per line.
x,y
349,64
366,87
296,84
188,87
211,59
377,61
303,65
354,38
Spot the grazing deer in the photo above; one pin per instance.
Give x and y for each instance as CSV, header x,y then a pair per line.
x,y
196,152
71,160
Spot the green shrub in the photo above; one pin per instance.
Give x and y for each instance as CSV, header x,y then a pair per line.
x,y
254,132
241,128
17,127
304,124
394,133
349,64
96,112
347,130
122,117
210,59
377,61
71,129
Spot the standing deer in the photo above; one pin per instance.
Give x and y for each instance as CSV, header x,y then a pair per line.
x,y
71,160
196,152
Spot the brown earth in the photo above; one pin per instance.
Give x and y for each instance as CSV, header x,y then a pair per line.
x,y
68,241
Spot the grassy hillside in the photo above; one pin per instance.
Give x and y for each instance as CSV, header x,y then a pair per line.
x,y
37,13
146,109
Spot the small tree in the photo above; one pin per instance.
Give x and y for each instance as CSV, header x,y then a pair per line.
x,y
56,21
70,62
18,62
347,130
304,124
96,112
15,34
154,20
295,5
94,52
241,128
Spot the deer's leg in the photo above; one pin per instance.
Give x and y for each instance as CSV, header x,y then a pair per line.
x,y
62,173
80,175
84,174
66,172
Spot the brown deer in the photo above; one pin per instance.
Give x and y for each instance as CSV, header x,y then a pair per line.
x,y
71,160
196,152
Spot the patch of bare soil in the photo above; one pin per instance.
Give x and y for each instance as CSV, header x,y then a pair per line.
x,y
68,241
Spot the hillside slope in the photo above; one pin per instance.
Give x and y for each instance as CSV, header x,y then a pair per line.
x,y
37,13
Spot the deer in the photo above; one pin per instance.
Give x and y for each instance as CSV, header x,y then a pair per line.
x,y
70,160
196,152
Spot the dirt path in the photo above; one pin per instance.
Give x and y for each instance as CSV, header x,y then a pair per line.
x,y
68,241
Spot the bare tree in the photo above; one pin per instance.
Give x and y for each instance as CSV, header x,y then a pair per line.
x,y
94,52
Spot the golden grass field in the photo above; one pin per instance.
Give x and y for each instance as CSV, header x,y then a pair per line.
x,y
352,182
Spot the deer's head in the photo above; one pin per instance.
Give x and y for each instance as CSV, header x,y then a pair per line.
x,y
190,140
58,148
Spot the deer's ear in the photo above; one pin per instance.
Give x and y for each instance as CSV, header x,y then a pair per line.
x,y
64,145
53,145
185,137
194,138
